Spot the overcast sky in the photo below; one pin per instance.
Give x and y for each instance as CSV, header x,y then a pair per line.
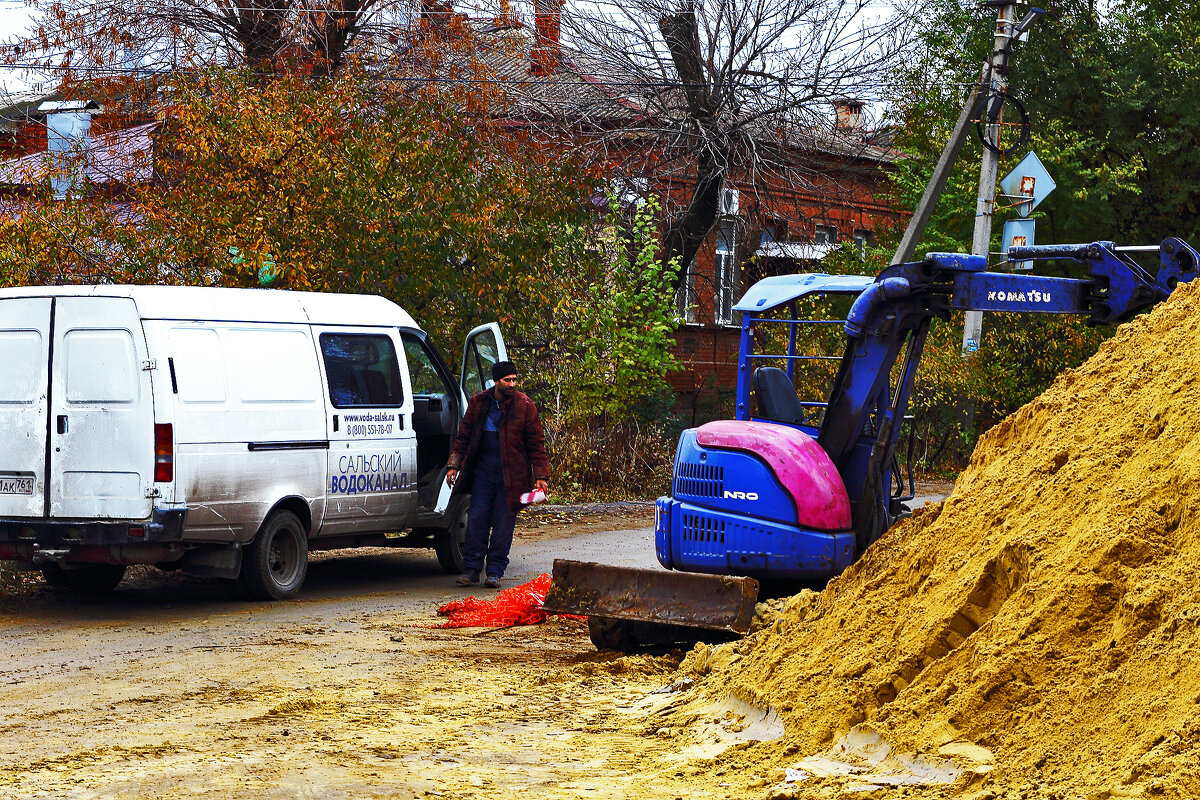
x,y
14,20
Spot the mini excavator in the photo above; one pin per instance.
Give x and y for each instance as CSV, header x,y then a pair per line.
x,y
794,490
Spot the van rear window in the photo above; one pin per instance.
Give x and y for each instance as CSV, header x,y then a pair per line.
x,y
362,370
22,365
101,366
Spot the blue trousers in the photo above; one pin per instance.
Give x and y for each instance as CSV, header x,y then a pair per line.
x,y
489,514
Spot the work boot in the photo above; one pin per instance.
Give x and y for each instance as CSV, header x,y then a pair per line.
x,y
467,578
492,582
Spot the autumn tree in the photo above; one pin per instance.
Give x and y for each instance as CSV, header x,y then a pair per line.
x,y
87,38
730,88
1116,145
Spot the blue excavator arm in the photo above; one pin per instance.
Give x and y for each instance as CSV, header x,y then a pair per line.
x,y
891,319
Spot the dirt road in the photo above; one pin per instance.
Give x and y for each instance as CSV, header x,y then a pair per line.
x,y
169,690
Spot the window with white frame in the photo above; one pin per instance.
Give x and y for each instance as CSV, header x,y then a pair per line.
x,y
825,234
863,240
685,296
726,273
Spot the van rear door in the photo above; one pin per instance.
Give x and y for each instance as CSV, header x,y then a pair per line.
x,y
101,421
24,359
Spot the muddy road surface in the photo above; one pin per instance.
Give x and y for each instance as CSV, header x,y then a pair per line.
x,y
167,689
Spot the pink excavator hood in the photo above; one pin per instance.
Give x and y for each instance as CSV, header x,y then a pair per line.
x,y
801,465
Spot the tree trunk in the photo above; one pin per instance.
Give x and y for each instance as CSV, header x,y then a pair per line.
x,y
686,231
259,28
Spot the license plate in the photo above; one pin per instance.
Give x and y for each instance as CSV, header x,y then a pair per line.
x,y
16,485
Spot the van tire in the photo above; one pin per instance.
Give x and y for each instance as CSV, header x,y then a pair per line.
x,y
275,562
93,580
449,544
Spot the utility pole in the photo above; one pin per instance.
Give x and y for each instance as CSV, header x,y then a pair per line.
x,y
937,181
995,84
984,87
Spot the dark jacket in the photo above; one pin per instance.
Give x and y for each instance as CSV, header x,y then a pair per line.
x,y
522,445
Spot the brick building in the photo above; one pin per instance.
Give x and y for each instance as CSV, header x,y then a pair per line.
x,y
770,224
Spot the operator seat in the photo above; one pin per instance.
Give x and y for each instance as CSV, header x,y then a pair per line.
x,y
777,398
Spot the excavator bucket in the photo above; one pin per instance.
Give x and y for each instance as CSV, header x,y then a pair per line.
x,y
670,601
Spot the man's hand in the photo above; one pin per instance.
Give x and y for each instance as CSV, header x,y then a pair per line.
x,y
451,476
543,485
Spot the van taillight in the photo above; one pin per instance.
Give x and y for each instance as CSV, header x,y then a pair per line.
x,y
164,454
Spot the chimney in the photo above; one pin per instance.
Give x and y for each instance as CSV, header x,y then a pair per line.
x,y
506,19
849,114
436,12
68,125
545,55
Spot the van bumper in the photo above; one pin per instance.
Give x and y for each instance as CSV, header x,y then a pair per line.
x,y
48,540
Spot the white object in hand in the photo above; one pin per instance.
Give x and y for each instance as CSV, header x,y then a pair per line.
x,y
536,496
443,500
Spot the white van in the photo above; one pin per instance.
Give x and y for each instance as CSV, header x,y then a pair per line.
x,y
224,432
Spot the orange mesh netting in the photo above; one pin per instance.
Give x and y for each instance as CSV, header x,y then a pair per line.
x,y
518,605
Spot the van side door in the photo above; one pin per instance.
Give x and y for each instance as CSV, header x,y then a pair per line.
x,y
372,453
437,410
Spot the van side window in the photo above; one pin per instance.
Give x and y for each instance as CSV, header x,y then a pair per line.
x,y
199,365
362,370
260,370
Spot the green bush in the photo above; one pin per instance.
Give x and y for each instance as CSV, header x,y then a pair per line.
x,y
595,460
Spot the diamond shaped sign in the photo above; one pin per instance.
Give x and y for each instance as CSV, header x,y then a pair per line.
x,y
1028,179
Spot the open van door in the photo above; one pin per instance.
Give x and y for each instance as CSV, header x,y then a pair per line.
x,y
483,348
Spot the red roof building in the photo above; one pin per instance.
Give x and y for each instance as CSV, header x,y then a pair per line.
x,y
777,222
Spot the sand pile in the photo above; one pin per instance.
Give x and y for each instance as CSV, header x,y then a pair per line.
x,y
1048,611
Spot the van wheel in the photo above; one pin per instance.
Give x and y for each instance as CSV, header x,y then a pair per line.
x,y
450,543
275,563
98,579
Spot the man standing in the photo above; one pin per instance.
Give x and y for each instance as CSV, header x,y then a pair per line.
x,y
500,450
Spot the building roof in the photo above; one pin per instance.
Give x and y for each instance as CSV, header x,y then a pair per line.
x,y
568,93
121,156
585,90
17,107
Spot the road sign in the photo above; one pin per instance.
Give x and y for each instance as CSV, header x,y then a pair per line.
x,y
1029,179
1017,233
